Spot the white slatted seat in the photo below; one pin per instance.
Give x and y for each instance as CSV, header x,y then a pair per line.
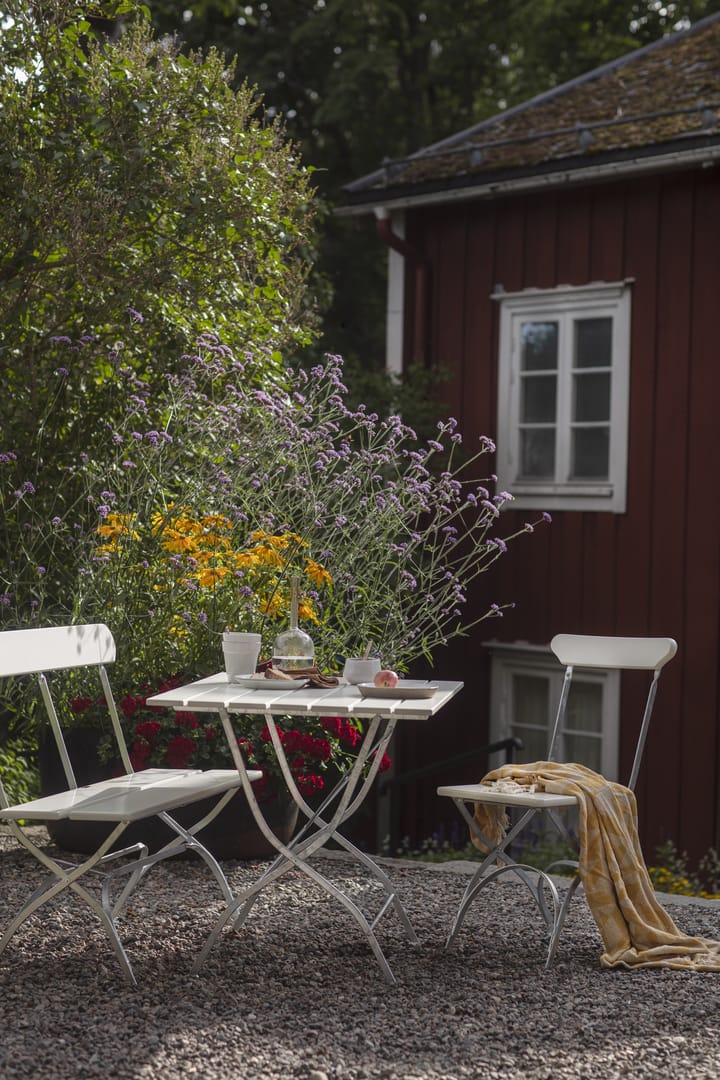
x,y
120,800
573,651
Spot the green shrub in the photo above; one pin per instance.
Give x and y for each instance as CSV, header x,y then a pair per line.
x,y
132,175
19,776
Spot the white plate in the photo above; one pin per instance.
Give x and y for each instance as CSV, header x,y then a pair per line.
x,y
259,682
406,688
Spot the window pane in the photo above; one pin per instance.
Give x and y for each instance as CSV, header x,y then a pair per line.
x,y
584,707
534,743
584,750
592,396
530,704
530,699
590,453
539,346
537,453
538,399
593,343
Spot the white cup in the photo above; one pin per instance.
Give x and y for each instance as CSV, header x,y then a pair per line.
x,y
241,652
361,669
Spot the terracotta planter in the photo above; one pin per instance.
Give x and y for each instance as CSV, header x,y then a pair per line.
x,y
232,835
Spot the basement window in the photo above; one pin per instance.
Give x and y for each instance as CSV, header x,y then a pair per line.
x,y
526,682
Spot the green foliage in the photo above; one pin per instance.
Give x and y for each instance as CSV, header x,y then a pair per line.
x,y
433,849
192,500
531,851
672,873
19,776
418,396
359,82
442,65
553,41
134,175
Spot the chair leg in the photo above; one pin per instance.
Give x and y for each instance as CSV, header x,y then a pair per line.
x,y
560,921
495,853
525,874
554,916
69,879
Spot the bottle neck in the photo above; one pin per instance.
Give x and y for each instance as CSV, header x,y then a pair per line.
x,y
294,604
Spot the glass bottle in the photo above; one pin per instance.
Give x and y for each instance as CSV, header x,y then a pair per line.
x,y
293,648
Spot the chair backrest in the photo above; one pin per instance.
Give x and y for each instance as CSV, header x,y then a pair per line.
x,y
611,653
41,650
54,648
586,650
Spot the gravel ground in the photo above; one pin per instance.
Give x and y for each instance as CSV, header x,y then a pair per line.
x,y
298,993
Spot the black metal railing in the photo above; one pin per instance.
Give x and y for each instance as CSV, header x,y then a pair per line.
x,y
388,785
508,745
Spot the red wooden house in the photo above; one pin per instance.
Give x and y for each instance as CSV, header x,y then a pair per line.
x,y
562,261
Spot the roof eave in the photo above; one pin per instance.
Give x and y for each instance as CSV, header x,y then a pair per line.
x,y
703,153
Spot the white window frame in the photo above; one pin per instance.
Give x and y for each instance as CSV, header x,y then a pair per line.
x,y
508,659
564,304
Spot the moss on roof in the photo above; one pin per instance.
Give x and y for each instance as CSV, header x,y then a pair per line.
x,y
665,92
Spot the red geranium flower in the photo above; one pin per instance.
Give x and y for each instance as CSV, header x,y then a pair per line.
x,y
349,734
310,783
81,704
292,741
130,705
179,751
385,763
319,748
333,724
187,720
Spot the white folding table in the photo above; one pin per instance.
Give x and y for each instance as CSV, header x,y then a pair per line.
x,y
380,715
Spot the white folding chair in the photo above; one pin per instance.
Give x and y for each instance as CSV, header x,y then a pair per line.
x,y
119,801
573,651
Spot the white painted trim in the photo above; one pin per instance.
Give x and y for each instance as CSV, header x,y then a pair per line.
x,y
395,302
611,299
702,157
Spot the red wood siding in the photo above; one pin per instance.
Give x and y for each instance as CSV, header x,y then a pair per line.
x,y
654,569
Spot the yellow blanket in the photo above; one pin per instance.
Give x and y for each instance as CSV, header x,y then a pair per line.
x,y
636,930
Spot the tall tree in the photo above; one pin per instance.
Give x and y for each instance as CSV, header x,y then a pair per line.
x,y
360,80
